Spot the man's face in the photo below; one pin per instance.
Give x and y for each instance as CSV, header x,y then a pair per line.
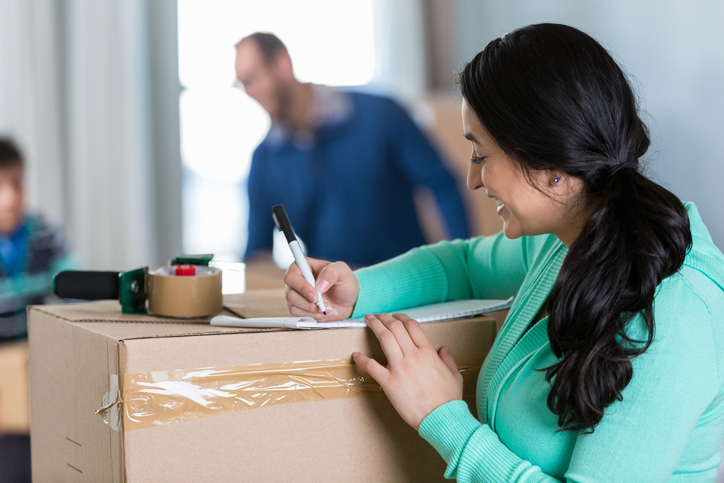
x,y
260,79
12,198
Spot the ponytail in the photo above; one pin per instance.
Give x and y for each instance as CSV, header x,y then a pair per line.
x,y
638,235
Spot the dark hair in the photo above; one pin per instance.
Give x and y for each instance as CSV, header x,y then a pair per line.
x,y
10,155
268,43
553,98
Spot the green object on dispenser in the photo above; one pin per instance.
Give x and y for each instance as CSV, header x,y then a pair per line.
x,y
132,291
184,259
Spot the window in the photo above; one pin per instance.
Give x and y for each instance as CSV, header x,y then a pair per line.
x,y
330,42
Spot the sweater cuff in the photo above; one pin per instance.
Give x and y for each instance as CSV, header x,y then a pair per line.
x,y
448,428
471,449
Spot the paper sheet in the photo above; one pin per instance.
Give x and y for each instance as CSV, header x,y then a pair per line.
x,y
429,313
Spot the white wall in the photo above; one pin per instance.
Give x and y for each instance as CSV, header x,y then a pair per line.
x,y
673,49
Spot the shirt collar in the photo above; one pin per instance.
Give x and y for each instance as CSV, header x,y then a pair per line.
x,y
329,107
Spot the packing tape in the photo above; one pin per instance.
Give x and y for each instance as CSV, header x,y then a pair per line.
x,y
110,409
166,397
172,295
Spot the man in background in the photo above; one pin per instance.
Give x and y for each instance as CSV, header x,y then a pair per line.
x,y
344,165
31,252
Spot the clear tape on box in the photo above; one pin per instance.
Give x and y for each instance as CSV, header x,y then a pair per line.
x,y
166,397
110,409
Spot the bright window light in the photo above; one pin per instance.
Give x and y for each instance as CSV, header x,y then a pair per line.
x,y
330,42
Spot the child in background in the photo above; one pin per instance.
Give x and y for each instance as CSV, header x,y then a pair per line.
x,y
31,253
31,250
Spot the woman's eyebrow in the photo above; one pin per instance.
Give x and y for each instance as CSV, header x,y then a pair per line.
x,y
469,136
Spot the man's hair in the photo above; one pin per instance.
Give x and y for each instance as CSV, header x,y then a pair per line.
x,y
268,43
10,155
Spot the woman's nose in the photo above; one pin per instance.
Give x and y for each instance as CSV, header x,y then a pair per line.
x,y
475,177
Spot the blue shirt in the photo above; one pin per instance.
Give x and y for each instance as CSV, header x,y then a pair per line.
x,y
13,249
349,192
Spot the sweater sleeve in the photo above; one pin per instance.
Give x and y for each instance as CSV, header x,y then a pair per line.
x,y
485,267
672,394
472,450
422,166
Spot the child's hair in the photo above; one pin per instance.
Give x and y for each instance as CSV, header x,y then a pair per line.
x,y
10,155
553,98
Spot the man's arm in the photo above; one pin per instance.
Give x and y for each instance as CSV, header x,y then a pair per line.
x,y
422,165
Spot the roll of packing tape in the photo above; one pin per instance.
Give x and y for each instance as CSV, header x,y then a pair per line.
x,y
185,294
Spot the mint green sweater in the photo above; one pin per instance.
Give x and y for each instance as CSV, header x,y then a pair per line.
x,y
669,425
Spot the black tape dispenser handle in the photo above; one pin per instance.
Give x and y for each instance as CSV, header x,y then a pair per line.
x,y
73,284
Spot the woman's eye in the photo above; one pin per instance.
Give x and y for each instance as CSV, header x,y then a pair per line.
x,y
479,159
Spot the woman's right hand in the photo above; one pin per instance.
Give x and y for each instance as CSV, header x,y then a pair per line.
x,y
335,281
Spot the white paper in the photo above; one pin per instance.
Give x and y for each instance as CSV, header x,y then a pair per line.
x,y
428,313
455,309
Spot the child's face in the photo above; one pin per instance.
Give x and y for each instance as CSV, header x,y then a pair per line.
x,y
12,198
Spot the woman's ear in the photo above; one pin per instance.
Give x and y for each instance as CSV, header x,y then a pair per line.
x,y
562,185
554,179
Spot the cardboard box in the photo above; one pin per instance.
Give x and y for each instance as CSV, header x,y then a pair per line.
x,y
79,353
443,119
14,394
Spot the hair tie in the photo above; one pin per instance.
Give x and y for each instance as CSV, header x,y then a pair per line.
x,y
619,167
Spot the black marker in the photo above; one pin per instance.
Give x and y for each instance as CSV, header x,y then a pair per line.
x,y
283,225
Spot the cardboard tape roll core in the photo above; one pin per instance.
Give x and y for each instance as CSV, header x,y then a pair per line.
x,y
172,295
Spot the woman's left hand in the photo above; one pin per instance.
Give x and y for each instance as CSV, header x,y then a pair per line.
x,y
417,379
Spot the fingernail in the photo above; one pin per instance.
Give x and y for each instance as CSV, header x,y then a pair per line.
x,y
354,355
323,286
311,296
369,316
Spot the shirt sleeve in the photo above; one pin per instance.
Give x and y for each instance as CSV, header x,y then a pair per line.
x,y
484,267
422,165
48,255
261,224
640,438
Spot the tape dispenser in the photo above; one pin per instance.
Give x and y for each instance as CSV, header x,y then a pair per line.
x,y
187,287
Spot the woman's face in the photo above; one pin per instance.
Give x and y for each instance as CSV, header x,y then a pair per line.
x,y
525,209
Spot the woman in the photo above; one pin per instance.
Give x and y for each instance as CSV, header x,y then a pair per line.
x,y
609,364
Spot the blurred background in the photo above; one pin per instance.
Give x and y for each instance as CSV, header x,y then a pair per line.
x,y
139,144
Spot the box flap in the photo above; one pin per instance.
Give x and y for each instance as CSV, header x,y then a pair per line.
x,y
107,310
258,303
105,317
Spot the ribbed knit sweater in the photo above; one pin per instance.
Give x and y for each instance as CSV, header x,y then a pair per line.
x,y
669,425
